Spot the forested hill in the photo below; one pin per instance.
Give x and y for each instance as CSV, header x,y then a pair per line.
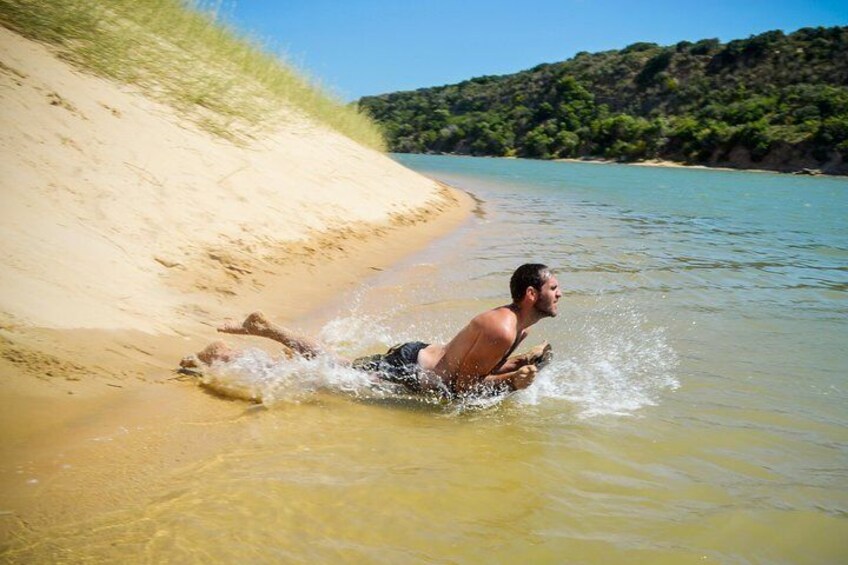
x,y
772,101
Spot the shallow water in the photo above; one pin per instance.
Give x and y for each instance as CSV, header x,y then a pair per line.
x,y
695,410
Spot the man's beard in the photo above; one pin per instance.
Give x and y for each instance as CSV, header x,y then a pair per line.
x,y
549,312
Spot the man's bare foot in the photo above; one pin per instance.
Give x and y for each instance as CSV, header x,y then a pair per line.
x,y
255,324
217,351
190,365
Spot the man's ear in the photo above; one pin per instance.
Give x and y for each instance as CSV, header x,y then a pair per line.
x,y
532,293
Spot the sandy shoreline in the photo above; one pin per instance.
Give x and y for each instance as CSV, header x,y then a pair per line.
x,y
128,233
675,165
662,164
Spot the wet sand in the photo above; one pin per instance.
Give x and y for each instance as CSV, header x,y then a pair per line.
x,y
92,420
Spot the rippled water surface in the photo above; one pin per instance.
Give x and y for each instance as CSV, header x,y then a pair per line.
x,y
696,409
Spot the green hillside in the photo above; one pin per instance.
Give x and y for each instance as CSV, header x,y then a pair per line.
x,y
772,101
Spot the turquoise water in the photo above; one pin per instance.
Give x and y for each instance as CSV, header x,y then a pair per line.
x,y
744,276
746,273
696,408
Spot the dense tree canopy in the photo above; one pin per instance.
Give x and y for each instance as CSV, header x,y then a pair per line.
x,y
772,101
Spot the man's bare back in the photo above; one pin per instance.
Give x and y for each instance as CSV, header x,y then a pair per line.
x,y
476,359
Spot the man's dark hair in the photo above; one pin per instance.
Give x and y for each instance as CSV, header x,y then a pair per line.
x,y
529,274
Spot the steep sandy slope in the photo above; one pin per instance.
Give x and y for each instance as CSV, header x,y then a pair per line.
x,y
117,213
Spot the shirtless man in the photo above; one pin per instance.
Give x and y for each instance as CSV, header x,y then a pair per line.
x,y
476,360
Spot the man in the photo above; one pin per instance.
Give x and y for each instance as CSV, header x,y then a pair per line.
x,y
476,360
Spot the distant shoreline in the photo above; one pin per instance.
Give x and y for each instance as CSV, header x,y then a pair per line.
x,y
662,163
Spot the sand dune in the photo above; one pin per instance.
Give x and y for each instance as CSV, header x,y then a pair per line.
x,y
117,213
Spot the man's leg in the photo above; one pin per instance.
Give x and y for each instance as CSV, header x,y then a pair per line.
x,y
258,325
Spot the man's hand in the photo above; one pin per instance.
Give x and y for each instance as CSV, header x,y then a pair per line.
x,y
540,355
523,377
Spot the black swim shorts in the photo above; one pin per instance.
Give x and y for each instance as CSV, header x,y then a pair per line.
x,y
398,365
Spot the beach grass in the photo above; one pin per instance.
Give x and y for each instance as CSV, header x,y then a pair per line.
x,y
180,53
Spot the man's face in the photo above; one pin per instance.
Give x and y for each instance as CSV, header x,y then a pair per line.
x,y
549,295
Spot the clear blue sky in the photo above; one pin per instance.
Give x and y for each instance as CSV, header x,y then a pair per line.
x,y
360,47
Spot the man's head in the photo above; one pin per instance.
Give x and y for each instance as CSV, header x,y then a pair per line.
x,y
534,284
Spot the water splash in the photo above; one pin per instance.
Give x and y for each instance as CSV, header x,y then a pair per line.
x,y
361,331
356,333
256,376
608,362
615,365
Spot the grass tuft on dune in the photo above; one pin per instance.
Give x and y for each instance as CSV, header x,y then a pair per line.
x,y
181,54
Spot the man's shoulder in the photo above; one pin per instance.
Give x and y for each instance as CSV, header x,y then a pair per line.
x,y
498,323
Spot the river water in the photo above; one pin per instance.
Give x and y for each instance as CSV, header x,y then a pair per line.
x,y
696,409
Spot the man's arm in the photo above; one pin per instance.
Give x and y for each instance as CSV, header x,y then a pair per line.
x,y
511,365
539,355
514,380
